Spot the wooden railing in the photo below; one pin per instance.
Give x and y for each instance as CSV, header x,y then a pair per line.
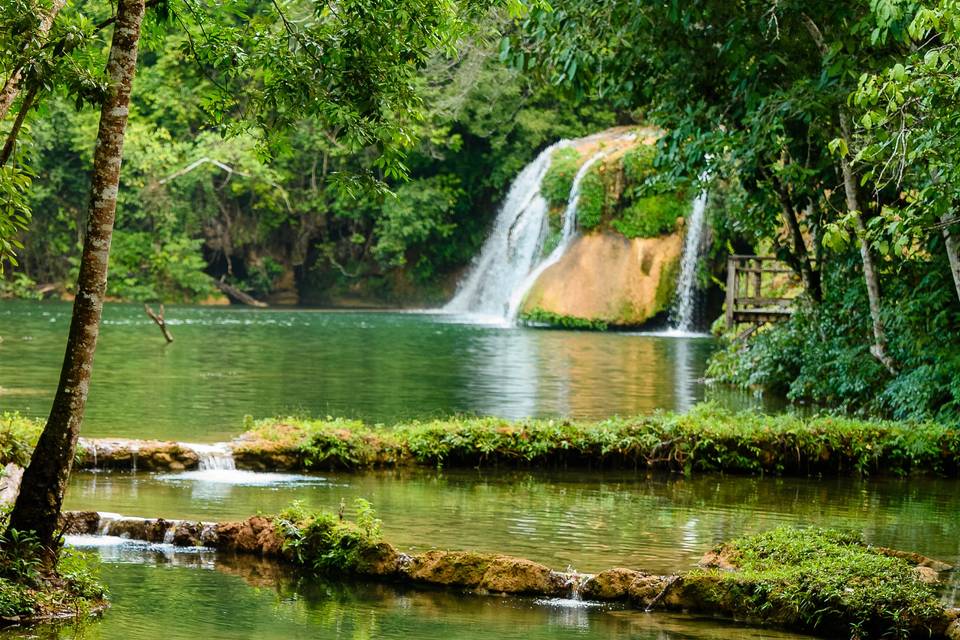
x,y
751,281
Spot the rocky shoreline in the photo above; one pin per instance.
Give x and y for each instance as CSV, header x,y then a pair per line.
x,y
705,590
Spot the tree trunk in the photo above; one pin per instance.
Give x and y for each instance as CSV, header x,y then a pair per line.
x,y
12,86
38,507
953,250
809,275
879,348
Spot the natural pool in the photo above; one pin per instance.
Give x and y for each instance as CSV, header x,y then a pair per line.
x,y
383,367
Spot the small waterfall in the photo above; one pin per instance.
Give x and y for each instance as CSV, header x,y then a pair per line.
x,y
681,318
567,235
213,457
512,248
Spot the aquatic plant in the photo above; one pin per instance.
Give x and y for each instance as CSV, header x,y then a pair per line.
x,y
326,542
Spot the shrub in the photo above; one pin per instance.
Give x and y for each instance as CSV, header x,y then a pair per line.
x,y
18,437
593,197
325,542
651,216
558,180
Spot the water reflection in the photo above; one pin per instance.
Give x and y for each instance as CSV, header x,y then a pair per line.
x,y
588,521
179,596
382,367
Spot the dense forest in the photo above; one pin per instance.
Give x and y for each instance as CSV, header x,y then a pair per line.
x,y
825,135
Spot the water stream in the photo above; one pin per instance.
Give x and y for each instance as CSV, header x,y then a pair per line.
x,y
682,315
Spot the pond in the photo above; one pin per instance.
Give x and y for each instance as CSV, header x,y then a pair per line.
x,y
383,367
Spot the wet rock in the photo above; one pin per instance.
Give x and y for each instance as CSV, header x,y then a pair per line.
x,y
723,558
263,455
381,560
624,585
147,455
253,535
10,483
454,568
612,584
506,574
187,534
953,624
79,522
915,559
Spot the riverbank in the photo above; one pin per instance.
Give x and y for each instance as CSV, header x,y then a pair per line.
x,y
706,439
806,579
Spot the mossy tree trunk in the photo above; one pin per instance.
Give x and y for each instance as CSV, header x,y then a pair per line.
x,y
41,496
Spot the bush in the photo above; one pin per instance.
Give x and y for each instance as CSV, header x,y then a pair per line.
x,y
18,437
593,197
324,541
651,216
558,180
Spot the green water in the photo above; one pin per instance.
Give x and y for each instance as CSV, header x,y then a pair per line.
x,y
173,599
384,367
588,521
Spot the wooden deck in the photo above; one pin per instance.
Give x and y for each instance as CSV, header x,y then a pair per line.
x,y
753,283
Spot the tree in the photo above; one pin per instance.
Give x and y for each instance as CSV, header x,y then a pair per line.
x,y
37,507
350,67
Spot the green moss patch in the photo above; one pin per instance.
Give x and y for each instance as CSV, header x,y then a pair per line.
x,y
651,216
558,180
817,580
544,317
706,439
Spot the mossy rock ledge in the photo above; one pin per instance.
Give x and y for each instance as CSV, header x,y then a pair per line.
x,y
819,581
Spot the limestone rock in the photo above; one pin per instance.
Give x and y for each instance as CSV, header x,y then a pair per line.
x,y
456,568
506,574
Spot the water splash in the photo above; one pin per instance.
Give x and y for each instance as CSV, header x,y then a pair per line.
x,y
681,318
213,457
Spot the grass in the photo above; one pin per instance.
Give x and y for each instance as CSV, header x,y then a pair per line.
x,y
706,439
819,580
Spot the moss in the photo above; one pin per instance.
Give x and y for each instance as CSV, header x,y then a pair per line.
x,y
18,437
667,285
542,316
593,199
651,216
326,542
558,180
706,439
817,579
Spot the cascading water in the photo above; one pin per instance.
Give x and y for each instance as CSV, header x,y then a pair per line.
x,y
567,234
512,248
213,457
508,264
681,318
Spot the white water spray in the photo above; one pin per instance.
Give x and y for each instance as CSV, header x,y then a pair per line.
x,y
213,457
567,234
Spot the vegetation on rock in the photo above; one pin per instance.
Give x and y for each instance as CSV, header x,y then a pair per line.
x,y
707,439
543,317
817,580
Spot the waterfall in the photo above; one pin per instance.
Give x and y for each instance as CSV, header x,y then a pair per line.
x,y
681,318
567,235
213,457
509,263
512,248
